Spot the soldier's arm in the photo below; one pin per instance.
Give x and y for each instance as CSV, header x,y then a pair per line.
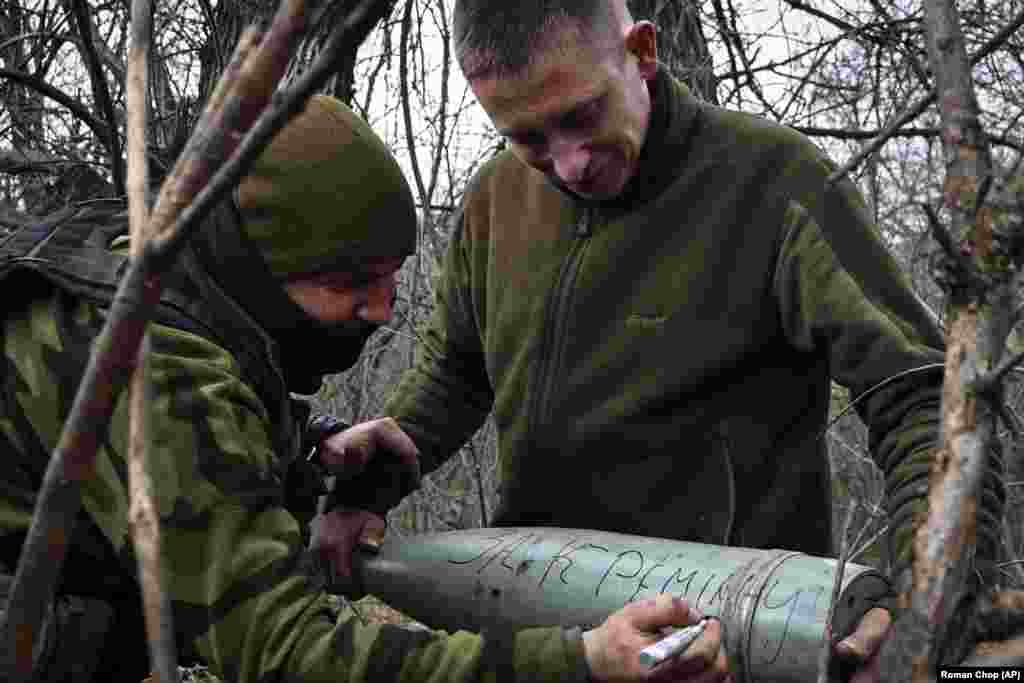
x,y
253,597
873,349
241,580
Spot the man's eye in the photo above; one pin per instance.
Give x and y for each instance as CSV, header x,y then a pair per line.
x,y
331,281
583,116
335,283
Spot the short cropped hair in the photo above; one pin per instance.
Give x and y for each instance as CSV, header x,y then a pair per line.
x,y
501,37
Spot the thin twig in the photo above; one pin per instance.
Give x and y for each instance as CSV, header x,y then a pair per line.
x,y
138,115
403,84
1001,36
909,115
887,133
862,134
142,514
98,127
986,186
993,378
859,548
942,236
100,91
825,654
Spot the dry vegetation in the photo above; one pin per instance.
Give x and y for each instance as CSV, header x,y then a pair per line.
x,y
839,71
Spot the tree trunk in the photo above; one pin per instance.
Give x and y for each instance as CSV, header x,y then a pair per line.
x,y
682,47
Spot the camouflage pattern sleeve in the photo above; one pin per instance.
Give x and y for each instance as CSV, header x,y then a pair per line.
x,y
240,580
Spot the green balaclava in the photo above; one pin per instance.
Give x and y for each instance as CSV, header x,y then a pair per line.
x,y
326,195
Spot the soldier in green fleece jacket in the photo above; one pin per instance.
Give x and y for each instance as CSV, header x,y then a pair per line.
x,y
652,294
283,285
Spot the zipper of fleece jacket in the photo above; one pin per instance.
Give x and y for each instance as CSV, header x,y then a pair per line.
x,y
556,322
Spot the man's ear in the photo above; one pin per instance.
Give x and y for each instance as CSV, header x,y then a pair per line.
x,y
642,42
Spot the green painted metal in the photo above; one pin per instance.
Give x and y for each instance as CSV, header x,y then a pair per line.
x,y
773,604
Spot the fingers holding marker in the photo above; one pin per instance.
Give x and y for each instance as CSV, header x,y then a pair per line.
x,y
672,645
694,652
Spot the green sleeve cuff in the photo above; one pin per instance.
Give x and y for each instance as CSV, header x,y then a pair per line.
x,y
550,654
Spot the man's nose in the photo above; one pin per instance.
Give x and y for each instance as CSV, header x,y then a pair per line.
x,y
380,299
571,160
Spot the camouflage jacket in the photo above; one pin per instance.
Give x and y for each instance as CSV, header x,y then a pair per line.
x,y
245,591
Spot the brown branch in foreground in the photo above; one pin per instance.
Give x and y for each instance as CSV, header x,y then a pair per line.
x,y
145,526
144,519
945,546
205,151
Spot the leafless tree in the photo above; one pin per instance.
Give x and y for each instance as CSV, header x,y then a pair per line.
x,y
858,77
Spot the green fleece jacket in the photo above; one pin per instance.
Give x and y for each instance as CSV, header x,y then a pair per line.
x,y
660,364
244,589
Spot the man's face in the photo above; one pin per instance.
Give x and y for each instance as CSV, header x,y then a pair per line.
x,y
334,297
579,113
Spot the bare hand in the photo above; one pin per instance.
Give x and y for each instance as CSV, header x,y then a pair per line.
x,y
613,648
864,644
346,453
335,535
353,512
374,465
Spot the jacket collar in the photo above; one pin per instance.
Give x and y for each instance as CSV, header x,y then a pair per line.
x,y
674,117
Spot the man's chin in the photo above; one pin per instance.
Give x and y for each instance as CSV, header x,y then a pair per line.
x,y
601,190
585,193
595,196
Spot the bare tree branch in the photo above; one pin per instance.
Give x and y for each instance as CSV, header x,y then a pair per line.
x,y
825,652
886,134
993,44
98,127
100,91
11,218
999,39
945,546
143,516
852,134
915,63
403,83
